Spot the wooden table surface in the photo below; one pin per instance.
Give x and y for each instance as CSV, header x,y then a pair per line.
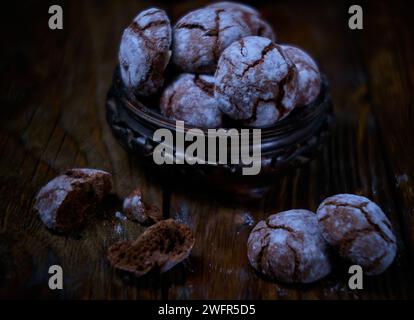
x,y
53,88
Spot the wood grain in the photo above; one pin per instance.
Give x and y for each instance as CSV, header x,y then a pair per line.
x,y
53,90
389,69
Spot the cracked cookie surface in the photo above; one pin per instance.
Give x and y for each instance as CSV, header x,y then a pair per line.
x,y
309,78
145,51
255,82
288,247
191,98
253,19
201,36
359,230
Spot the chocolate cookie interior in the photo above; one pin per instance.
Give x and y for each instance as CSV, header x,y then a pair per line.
x,y
160,247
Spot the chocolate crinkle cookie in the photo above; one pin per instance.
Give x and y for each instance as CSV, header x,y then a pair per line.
x,y
145,52
64,202
255,82
253,19
136,209
200,37
359,230
288,247
191,98
309,78
160,247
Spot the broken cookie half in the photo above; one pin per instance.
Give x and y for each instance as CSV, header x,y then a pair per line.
x,y
64,202
160,247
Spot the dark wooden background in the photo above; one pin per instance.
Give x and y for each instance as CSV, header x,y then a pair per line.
x,y
53,88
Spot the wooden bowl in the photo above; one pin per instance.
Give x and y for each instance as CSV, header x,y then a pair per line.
x,y
286,145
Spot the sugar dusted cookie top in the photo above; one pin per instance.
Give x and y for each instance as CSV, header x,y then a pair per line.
x,y
145,51
359,230
309,78
288,247
201,36
257,26
256,82
191,98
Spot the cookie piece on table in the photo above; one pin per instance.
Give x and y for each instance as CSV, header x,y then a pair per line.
x,y
160,247
138,210
289,247
64,202
359,230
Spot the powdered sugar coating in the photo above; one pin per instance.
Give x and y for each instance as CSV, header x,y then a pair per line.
x,y
359,230
133,206
201,36
145,51
255,82
191,98
50,197
288,247
258,27
309,78
62,203
229,5
85,172
137,210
